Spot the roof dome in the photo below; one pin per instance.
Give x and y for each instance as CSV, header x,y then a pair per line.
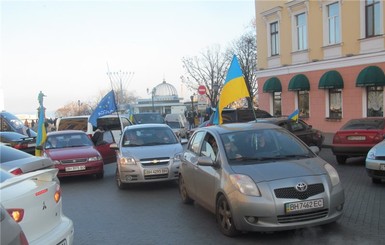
x,y
165,89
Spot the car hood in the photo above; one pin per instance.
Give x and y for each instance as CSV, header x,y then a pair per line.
x,y
141,152
72,152
281,170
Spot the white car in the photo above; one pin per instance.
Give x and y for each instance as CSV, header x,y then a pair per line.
x,y
34,201
147,153
375,163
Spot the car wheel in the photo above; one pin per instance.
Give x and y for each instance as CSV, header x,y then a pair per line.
x,y
225,218
183,192
341,159
376,180
119,183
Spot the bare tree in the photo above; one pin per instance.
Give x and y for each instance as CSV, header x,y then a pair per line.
x,y
246,50
208,69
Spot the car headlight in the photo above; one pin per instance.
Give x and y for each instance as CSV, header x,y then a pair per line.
x,y
126,161
372,154
245,184
92,159
178,157
335,179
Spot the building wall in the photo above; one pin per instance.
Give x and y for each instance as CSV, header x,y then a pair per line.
x,y
349,58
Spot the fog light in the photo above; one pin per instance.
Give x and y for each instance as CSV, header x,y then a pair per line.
x,y
340,207
129,178
252,219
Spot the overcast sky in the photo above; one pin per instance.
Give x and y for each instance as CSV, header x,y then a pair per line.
x,y
66,48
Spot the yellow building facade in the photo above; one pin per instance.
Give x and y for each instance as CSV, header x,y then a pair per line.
x,y
324,58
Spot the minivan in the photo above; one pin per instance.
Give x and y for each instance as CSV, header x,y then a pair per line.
x,y
11,123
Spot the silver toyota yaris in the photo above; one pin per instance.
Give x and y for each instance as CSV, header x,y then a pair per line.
x,y
259,177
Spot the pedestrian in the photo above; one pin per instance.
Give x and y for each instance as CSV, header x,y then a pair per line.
x,y
190,118
26,123
32,123
97,137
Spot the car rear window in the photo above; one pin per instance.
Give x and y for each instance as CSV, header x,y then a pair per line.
x,y
148,118
73,123
364,124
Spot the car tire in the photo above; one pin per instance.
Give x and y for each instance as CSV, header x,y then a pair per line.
x,y
376,180
119,183
225,217
341,159
183,192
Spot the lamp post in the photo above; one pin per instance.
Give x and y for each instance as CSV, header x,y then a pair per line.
x,y
215,88
79,104
192,103
153,91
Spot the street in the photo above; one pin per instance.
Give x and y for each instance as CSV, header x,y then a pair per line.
x,y
154,213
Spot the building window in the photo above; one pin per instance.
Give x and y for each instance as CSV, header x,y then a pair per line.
x,y
303,103
274,38
335,103
334,23
277,109
375,101
301,30
372,17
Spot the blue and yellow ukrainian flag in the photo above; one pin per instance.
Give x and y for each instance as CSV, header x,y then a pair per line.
x,y
294,116
41,131
233,89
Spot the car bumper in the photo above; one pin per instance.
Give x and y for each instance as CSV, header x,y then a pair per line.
x,y
61,234
375,168
269,214
90,168
135,173
351,150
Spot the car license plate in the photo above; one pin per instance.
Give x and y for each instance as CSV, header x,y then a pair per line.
x,y
304,205
75,168
382,167
156,171
356,137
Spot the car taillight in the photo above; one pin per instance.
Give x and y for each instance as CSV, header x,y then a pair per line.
x,y
57,195
23,239
20,146
16,213
17,171
336,139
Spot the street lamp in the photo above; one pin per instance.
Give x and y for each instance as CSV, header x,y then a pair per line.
x,y
192,103
153,91
79,104
215,88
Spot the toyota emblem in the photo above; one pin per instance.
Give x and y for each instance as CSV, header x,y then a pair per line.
x,y
301,187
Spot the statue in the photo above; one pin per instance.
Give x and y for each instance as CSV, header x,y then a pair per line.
x,y
40,98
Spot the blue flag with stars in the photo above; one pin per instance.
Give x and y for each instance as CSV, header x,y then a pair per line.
x,y
105,107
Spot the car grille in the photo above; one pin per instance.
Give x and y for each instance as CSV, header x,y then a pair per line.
x,y
158,176
292,218
72,161
291,192
161,161
378,173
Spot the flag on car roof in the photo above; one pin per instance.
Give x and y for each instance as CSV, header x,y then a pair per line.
x,y
105,107
41,131
233,89
294,116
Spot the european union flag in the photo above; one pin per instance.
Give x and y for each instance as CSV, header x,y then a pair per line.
x,y
105,107
233,89
294,116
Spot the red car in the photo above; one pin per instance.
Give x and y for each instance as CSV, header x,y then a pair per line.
x,y
357,137
73,153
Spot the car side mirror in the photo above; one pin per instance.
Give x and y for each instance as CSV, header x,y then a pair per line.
x,y
114,146
205,161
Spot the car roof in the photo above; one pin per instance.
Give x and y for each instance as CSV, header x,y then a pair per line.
x,y
231,127
148,125
64,132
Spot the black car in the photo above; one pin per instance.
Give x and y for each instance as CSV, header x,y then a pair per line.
x,y
240,115
304,131
19,141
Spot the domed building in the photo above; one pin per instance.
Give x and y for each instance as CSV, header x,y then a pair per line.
x,y
163,98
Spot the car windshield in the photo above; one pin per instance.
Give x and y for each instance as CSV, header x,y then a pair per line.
x,y
173,124
248,147
67,140
148,118
364,124
149,136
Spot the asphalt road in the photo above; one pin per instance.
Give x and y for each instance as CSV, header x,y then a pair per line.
x,y
154,214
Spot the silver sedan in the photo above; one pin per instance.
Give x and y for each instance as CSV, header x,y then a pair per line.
x,y
375,162
259,177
